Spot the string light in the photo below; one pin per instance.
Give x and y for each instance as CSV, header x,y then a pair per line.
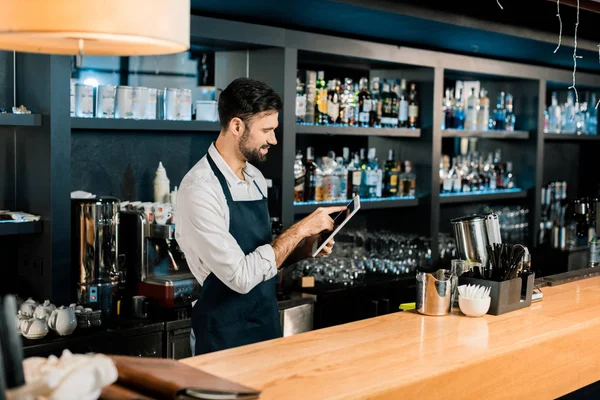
x,y
560,22
575,57
500,5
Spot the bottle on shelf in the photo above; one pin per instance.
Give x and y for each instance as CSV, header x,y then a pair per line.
x,y
389,107
446,181
348,103
458,112
333,102
499,169
346,156
483,115
484,179
500,113
510,118
490,171
454,178
591,117
403,105
509,179
364,103
300,102
413,107
390,175
580,111
330,182
341,178
371,176
376,106
447,110
554,115
299,176
354,176
568,117
408,181
310,180
471,112
321,117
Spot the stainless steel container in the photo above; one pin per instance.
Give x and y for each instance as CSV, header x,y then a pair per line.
x,y
105,103
471,238
435,292
84,100
140,102
170,102
151,107
124,102
95,249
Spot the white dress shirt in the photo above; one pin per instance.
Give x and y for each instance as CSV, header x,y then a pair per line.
x,y
202,226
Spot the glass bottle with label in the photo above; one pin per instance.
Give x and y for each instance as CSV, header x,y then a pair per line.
x,y
342,178
447,111
376,105
413,107
471,113
591,117
371,178
500,113
454,182
509,179
310,180
554,115
300,102
445,181
299,176
483,114
330,182
354,176
364,103
403,106
458,111
389,112
408,181
510,118
347,103
390,175
321,117
333,102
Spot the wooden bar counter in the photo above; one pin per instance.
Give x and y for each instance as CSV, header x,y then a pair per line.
x,y
541,352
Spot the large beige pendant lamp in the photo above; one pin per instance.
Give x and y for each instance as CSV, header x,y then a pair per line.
x,y
96,27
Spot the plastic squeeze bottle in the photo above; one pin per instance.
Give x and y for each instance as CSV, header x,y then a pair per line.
x,y
161,185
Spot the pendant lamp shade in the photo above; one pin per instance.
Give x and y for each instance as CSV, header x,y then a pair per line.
x,y
95,27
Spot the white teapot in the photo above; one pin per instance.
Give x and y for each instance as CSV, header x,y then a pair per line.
x,y
28,307
34,328
43,311
63,320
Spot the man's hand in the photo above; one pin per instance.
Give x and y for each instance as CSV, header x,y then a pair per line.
x,y
318,221
309,244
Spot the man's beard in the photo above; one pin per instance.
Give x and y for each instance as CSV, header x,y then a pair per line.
x,y
253,156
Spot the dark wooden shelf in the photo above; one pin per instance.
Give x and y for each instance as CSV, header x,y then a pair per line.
x,y
491,134
571,137
471,197
20,228
142,125
357,131
365,204
9,119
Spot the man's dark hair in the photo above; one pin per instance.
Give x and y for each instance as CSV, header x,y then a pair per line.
x,y
244,98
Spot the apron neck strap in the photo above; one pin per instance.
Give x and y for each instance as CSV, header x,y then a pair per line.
x,y
220,177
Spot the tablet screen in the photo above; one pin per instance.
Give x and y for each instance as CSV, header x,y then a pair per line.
x,y
338,221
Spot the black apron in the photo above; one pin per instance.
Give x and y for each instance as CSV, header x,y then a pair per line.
x,y
223,318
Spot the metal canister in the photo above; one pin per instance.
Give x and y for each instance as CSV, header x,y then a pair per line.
x,y
124,102
105,103
151,107
140,102
84,100
170,102
184,104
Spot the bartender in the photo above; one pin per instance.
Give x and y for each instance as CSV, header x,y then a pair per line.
x,y
223,226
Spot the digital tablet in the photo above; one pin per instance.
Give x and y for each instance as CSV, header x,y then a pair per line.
x,y
338,222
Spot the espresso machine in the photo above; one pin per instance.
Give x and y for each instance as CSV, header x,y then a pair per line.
x,y
156,266
94,252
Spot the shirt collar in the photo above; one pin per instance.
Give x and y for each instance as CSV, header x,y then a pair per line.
x,y
230,176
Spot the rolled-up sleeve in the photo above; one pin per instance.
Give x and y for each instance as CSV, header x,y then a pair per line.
x,y
202,224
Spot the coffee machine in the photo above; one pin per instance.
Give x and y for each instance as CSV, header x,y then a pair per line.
x,y
156,266
94,252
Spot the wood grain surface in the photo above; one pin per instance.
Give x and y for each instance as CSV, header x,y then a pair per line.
x,y
541,352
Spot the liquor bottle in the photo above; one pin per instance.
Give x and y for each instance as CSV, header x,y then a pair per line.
x,y
364,103
342,178
447,111
580,111
333,102
464,171
499,170
310,181
509,179
390,176
371,178
299,176
413,107
471,113
408,181
500,113
354,176
458,112
554,115
346,156
300,102
454,181
329,183
403,106
321,100
484,179
376,106
474,179
568,120
510,118
490,171
591,118
483,116
348,103
389,107
445,181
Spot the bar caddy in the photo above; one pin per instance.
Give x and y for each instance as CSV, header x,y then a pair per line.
x,y
504,268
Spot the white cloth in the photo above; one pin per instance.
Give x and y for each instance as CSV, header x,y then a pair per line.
x,y
70,377
202,226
